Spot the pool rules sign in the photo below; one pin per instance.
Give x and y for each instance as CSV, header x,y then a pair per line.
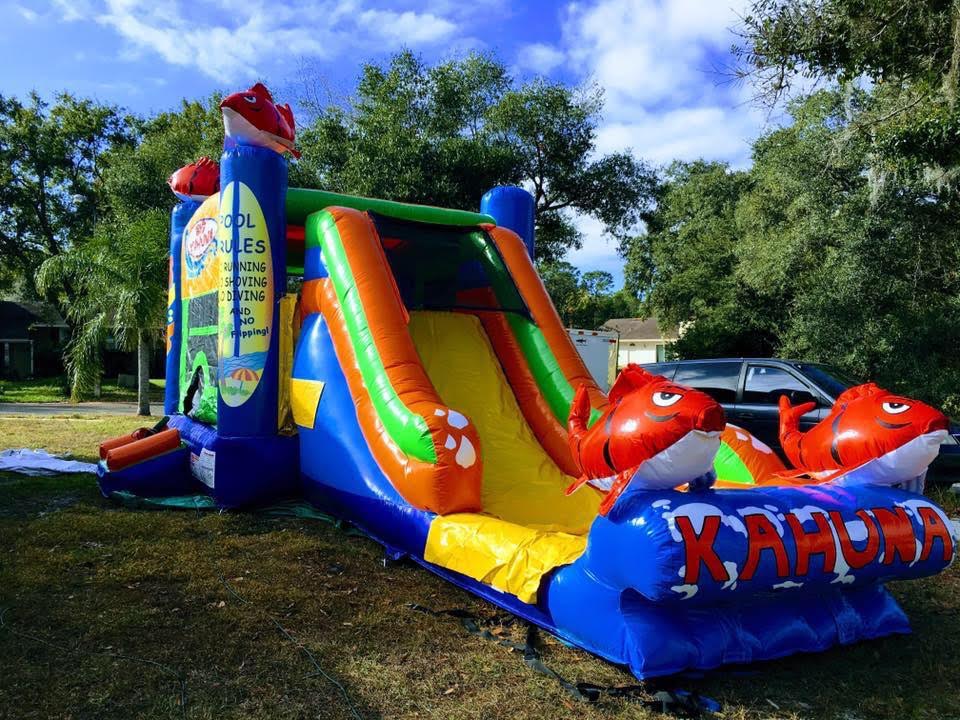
x,y
246,293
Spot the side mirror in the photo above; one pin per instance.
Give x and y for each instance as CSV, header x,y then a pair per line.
x,y
798,397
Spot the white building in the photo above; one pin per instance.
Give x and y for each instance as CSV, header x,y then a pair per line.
x,y
641,341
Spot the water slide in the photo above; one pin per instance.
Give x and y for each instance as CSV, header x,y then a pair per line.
x,y
430,385
435,381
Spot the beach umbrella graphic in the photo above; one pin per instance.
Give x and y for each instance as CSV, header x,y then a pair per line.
x,y
242,375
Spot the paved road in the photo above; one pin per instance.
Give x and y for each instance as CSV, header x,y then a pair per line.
x,y
87,408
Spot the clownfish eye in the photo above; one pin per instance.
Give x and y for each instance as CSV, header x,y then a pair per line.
x,y
895,408
252,99
666,399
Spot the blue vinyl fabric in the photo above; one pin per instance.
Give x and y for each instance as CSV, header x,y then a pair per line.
x,y
248,472
264,172
167,474
513,208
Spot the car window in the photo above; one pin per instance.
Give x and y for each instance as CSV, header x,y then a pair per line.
x,y
718,380
829,378
765,385
664,369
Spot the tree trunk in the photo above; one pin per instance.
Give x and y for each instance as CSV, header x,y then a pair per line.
x,y
143,373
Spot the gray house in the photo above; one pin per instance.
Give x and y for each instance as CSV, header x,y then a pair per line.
x,y
32,336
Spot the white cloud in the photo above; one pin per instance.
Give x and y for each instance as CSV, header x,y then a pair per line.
x,y
665,98
540,58
231,42
711,132
72,10
26,13
407,28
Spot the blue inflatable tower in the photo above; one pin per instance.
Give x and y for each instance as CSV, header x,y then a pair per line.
x,y
514,208
179,217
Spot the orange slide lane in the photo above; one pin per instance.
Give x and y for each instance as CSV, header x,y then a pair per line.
x,y
534,294
452,483
438,487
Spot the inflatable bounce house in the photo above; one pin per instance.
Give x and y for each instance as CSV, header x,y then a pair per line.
x,y
402,367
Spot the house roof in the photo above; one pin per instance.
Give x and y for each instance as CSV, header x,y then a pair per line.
x,y
640,329
16,318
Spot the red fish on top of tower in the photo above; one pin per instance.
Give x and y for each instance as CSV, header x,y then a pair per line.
x,y
252,118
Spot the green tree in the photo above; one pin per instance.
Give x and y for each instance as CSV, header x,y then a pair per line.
x,y
114,291
687,264
865,264
445,134
909,51
111,277
135,175
585,300
51,178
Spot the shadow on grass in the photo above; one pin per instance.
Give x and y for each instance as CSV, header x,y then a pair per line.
x,y
104,583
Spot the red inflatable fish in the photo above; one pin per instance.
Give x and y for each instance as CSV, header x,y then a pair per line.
x,y
898,437
196,181
252,118
655,433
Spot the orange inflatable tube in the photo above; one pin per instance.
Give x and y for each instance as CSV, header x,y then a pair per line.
x,y
113,443
534,294
440,488
133,452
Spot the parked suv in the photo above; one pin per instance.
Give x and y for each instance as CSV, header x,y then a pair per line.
x,y
749,389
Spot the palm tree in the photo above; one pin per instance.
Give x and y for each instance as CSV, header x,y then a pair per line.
x,y
118,282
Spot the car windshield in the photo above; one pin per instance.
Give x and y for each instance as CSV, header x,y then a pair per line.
x,y
829,378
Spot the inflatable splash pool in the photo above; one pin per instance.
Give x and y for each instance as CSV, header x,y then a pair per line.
x,y
420,385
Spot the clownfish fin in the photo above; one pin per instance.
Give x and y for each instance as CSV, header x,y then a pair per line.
x,y
261,89
287,114
630,378
576,485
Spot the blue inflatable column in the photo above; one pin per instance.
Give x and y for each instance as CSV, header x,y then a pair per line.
x,y
252,250
513,208
182,212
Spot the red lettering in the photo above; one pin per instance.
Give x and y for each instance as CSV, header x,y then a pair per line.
x,y
856,559
816,542
933,528
898,537
762,535
699,549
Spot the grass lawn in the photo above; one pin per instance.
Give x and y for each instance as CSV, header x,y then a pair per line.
x,y
44,390
112,612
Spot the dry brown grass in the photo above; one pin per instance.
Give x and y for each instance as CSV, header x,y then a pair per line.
x,y
111,588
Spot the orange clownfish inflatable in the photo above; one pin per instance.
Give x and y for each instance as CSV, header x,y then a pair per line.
x,y
654,433
252,118
896,436
196,181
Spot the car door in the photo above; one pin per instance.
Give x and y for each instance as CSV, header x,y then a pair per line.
x,y
719,379
758,410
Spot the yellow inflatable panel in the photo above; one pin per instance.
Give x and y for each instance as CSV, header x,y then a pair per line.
x,y
521,484
529,526
504,555
288,341
304,400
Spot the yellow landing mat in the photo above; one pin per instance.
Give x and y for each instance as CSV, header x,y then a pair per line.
x,y
528,526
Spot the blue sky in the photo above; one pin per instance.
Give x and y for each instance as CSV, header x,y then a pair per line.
x,y
659,61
